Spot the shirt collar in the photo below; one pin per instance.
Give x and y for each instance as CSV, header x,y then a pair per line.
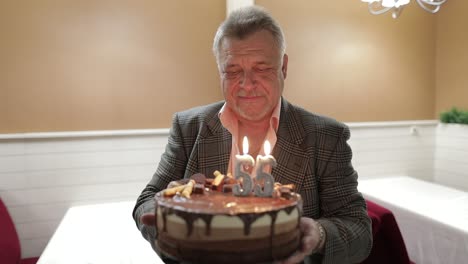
x,y
229,120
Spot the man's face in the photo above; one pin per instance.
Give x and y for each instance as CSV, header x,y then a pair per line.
x,y
252,77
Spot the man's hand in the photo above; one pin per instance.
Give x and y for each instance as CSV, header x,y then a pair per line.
x,y
309,242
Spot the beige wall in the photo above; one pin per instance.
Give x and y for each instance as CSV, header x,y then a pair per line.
x,y
92,65
452,57
104,64
354,66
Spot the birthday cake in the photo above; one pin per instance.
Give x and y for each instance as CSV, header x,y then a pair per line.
x,y
200,220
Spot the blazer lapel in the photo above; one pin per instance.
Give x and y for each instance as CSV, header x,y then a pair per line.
x,y
214,148
292,165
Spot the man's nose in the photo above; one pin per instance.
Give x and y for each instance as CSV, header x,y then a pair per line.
x,y
248,80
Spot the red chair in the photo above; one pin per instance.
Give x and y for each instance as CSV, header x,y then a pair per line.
x,y
10,248
388,244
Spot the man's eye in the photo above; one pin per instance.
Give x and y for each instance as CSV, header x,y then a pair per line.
x,y
231,74
263,69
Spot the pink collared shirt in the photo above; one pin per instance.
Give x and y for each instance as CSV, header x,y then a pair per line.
x,y
230,122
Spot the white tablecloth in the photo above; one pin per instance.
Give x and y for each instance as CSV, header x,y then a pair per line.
x,y
99,234
433,218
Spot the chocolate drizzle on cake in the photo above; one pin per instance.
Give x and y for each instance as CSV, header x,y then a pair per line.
x,y
164,217
190,218
248,219
272,229
290,209
207,219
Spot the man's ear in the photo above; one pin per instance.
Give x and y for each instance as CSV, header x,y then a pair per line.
x,y
284,68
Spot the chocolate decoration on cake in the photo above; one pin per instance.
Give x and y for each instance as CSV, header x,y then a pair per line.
x,y
199,178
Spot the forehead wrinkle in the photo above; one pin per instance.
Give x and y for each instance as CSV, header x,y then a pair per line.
x,y
254,57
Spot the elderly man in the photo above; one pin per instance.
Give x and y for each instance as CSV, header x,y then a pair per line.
x,y
311,150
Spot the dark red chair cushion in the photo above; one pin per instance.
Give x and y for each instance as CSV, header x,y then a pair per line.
x,y
388,245
29,260
10,249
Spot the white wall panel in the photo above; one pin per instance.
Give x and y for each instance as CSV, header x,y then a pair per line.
x,y
10,148
71,193
41,177
75,160
451,156
36,229
400,148
38,212
33,246
79,176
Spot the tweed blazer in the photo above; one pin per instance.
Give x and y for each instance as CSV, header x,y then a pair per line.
x,y
311,152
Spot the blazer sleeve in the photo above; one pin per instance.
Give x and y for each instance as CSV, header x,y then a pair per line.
x,y
171,167
343,209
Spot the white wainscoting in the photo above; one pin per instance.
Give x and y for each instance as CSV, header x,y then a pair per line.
x,y
393,148
42,174
451,161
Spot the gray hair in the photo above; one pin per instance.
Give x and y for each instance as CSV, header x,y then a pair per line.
x,y
243,22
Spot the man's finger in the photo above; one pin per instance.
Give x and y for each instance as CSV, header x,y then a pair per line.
x,y
296,258
308,244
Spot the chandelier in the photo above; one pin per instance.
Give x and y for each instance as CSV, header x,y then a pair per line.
x,y
377,7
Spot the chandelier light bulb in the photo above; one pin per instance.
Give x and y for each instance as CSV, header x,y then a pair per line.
x,y
401,3
389,3
377,7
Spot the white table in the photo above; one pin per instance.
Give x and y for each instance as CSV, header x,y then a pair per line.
x,y
99,234
433,219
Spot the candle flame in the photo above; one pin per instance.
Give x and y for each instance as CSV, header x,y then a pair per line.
x,y
267,147
245,145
